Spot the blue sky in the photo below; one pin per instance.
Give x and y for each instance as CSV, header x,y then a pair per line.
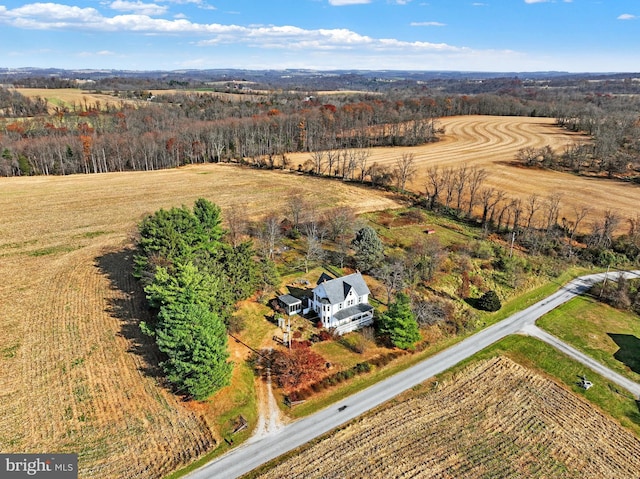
x,y
486,35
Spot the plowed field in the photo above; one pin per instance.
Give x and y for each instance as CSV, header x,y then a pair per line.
x,y
491,142
76,375
495,419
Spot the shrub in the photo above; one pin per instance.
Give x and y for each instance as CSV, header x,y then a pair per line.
x,y
489,301
361,368
481,250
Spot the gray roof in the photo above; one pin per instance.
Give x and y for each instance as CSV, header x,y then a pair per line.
x,y
337,289
324,277
352,311
288,299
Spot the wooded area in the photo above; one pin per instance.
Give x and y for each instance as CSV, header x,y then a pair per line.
x,y
193,280
179,127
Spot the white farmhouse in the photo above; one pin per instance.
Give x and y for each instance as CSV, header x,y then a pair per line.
x,y
342,303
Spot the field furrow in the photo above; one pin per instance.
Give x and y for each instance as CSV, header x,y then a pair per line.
x,y
491,143
495,418
76,374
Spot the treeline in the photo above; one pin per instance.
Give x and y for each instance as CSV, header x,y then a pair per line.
x,y
198,128
171,130
193,279
622,160
613,125
180,129
533,223
15,105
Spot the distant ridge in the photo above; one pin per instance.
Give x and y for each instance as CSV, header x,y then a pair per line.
x,y
225,73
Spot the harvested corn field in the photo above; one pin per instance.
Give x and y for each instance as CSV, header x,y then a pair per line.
x,y
495,419
76,373
491,143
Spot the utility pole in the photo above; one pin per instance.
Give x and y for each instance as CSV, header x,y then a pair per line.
x,y
513,239
604,283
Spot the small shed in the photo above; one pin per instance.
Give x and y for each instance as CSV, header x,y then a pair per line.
x,y
290,304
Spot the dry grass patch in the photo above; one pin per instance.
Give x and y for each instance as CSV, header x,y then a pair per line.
x,y
494,419
86,99
70,97
76,375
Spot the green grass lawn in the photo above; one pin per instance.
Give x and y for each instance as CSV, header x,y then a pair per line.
x,y
396,233
608,335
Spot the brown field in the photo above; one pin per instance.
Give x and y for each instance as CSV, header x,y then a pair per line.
x,y
67,97
491,142
74,370
495,419
75,373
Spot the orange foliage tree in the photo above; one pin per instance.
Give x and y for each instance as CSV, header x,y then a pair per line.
x,y
297,367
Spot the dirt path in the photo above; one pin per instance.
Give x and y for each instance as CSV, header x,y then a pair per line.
x,y
270,418
76,373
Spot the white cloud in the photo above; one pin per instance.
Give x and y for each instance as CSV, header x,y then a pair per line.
x,y
427,24
102,53
200,3
340,3
51,16
627,16
138,7
537,1
49,12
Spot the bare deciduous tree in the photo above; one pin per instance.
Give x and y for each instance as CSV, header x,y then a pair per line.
x,y
534,204
571,227
476,178
449,181
552,207
317,157
489,198
435,181
270,235
392,275
237,224
362,157
602,232
405,169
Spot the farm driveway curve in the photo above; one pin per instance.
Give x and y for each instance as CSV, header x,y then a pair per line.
x,y
247,457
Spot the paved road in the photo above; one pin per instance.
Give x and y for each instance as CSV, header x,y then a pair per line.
x,y
252,454
632,387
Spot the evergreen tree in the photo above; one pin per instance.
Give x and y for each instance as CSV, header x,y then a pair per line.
x,y
166,237
194,281
399,323
369,249
209,219
241,269
186,285
489,301
195,342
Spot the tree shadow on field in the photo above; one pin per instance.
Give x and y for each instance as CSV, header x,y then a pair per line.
x,y
130,307
629,352
473,302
